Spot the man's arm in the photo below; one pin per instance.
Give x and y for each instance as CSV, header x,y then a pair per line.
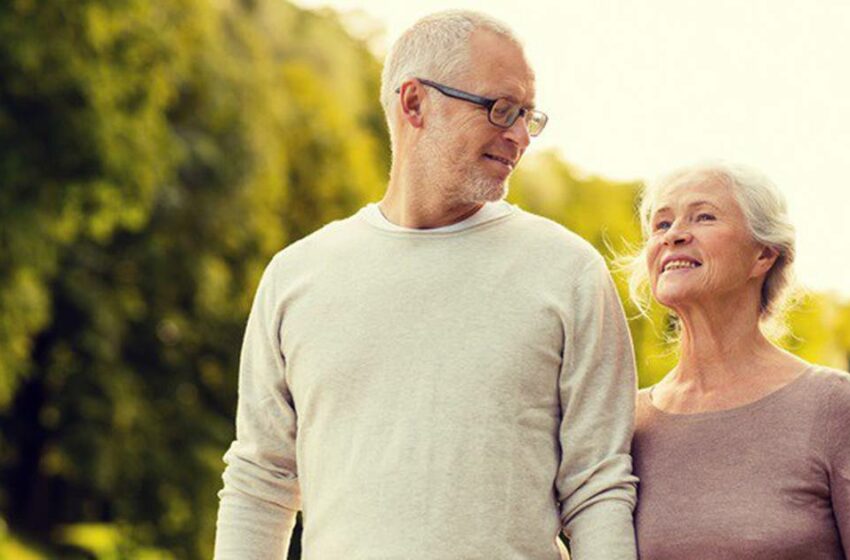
x,y
598,388
260,496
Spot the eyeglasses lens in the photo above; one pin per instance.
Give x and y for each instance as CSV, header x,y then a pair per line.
x,y
536,122
504,113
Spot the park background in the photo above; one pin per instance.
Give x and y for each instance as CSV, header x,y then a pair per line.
x,y
153,157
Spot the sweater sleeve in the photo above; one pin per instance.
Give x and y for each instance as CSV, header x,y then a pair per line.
x,y
838,442
595,485
260,497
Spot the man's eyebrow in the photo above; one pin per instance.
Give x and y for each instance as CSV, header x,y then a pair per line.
x,y
512,99
517,101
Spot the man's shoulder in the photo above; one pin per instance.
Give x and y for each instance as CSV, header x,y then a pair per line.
x,y
315,246
556,239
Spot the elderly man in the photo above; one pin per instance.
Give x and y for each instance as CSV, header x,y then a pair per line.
x,y
442,375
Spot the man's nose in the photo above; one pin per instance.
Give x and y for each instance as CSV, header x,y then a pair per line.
x,y
518,134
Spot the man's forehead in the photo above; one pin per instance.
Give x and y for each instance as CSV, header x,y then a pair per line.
x,y
519,89
500,68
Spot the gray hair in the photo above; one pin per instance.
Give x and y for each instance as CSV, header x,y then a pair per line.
x,y
767,218
437,48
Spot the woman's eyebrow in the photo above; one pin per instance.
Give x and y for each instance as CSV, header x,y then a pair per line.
x,y
703,203
690,205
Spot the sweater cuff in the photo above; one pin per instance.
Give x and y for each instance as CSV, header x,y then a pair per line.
x,y
603,531
252,530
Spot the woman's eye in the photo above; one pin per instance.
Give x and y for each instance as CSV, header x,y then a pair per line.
x,y
705,217
662,224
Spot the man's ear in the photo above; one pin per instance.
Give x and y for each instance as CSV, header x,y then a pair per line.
x,y
767,256
411,100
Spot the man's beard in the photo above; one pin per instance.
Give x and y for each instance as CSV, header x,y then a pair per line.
x,y
460,182
478,188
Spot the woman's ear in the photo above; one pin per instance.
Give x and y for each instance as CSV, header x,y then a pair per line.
x,y
766,258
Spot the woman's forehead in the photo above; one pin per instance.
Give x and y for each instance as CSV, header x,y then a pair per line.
x,y
692,191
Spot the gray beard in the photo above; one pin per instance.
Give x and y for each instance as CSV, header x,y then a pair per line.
x,y
472,186
483,189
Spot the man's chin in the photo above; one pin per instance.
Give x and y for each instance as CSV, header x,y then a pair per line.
x,y
496,193
497,197
489,191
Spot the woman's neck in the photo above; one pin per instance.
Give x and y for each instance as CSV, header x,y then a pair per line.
x,y
725,362
716,354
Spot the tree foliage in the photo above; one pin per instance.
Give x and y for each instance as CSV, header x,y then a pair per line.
x,y
155,156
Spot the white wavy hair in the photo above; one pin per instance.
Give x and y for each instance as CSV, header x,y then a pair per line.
x,y
436,48
767,218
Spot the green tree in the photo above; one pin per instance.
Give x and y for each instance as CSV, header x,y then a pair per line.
x,y
180,144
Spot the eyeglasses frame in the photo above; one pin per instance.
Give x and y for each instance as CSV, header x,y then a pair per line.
x,y
485,102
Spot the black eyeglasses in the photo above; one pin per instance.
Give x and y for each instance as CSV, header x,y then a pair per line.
x,y
501,112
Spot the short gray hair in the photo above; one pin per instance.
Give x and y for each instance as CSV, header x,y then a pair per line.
x,y
437,48
767,218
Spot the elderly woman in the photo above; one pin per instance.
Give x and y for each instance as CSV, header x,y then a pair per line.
x,y
743,450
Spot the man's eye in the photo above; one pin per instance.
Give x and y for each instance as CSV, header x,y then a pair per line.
x,y
501,110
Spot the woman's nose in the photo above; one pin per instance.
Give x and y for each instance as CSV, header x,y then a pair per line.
x,y
677,235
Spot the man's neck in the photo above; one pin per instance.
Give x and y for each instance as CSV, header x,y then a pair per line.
x,y
421,204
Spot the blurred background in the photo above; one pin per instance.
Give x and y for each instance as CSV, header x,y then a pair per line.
x,y
155,155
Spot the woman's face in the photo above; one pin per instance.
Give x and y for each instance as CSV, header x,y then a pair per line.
x,y
700,249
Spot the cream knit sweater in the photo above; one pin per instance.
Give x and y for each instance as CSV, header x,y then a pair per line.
x,y
433,395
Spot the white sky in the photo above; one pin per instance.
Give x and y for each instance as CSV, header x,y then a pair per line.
x,y
636,89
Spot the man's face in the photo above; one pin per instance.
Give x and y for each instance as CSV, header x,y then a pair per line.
x,y
476,156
